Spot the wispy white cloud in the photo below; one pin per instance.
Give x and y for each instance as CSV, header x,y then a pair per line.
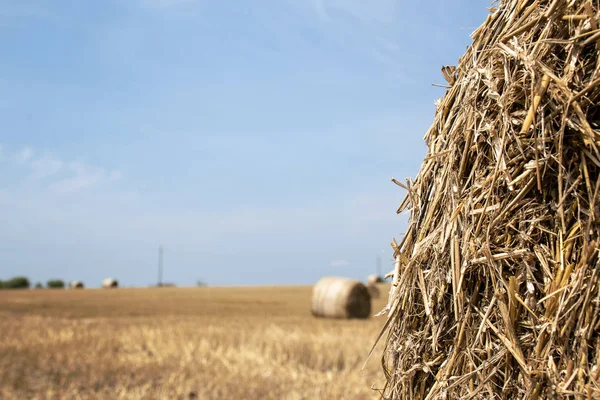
x,y
80,204
372,30
45,167
321,10
339,263
59,177
113,214
82,176
76,183
23,156
114,176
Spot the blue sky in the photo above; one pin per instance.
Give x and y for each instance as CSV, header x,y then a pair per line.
x,y
254,139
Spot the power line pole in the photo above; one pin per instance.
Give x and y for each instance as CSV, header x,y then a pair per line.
x,y
378,266
160,264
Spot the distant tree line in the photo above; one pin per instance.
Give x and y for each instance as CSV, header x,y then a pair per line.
x,y
55,284
18,282
22,282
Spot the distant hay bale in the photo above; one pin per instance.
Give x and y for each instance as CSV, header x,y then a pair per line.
x,y
373,279
374,291
76,285
335,297
110,283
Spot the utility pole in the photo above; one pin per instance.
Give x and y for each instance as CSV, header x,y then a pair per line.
x,y
160,265
379,266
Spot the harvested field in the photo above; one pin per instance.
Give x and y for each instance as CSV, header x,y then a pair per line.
x,y
205,343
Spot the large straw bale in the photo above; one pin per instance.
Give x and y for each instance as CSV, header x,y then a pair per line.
x,y
336,297
110,283
496,286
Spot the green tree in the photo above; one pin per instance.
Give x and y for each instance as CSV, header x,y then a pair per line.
x,y
55,284
18,282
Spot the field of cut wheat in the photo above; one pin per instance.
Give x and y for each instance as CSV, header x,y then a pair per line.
x,y
182,343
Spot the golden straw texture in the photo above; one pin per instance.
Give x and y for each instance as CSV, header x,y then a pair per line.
x,y
495,289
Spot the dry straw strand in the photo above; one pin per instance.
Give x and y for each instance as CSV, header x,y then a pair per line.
x,y
496,287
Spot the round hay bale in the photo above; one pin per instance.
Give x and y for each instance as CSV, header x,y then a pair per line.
x,y
374,291
76,285
373,279
110,283
335,297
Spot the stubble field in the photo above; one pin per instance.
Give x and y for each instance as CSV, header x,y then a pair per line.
x,y
182,343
